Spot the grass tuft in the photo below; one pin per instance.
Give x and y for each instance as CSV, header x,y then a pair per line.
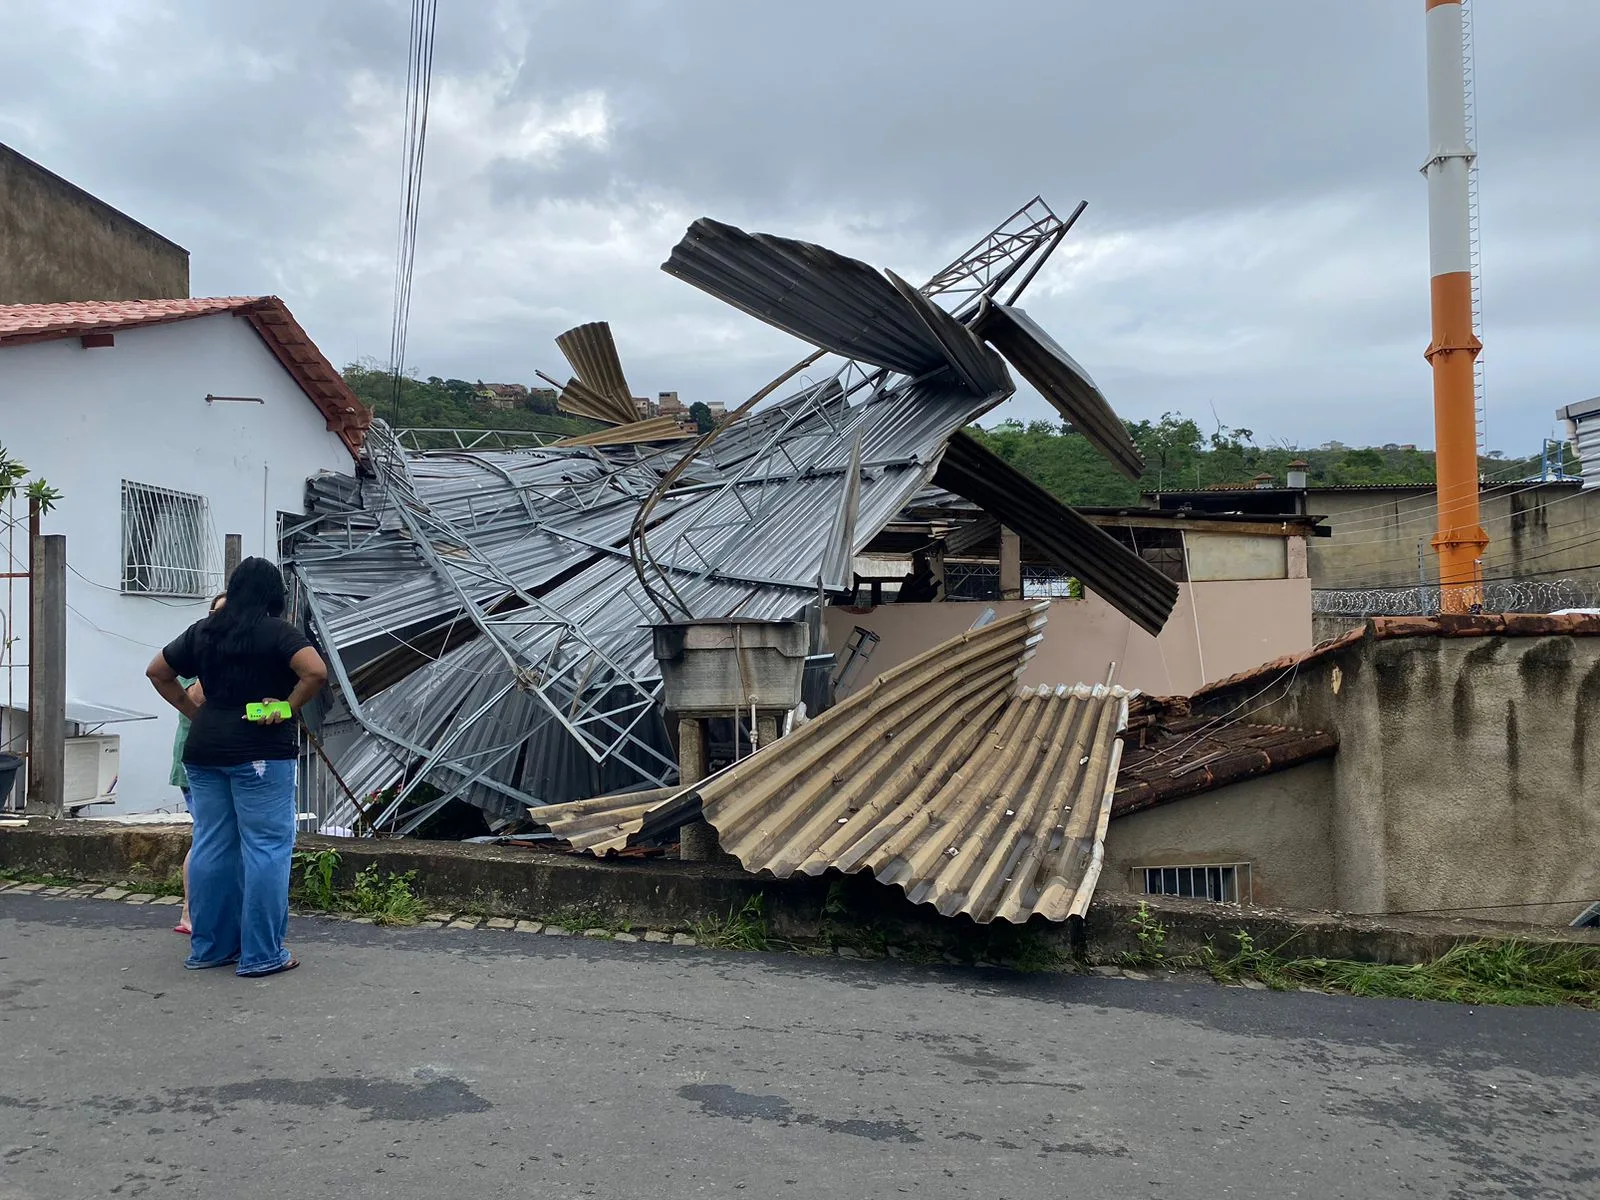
x,y
745,929
1507,973
45,879
387,898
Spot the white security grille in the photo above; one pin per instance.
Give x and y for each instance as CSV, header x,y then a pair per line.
x,y
1228,883
167,545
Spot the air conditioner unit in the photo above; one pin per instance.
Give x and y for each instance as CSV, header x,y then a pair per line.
x,y
91,768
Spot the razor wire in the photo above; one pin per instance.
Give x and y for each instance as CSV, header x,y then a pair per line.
x,y
1501,596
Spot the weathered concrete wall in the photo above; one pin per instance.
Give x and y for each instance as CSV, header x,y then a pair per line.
x,y
662,894
1215,630
1282,825
1236,556
1326,628
1468,772
1545,531
58,243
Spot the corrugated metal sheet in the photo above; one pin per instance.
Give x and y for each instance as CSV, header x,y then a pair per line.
x,y
482,611
1061,381
581,400
593,355
942,777
653,429
1124,580
1583,430
832,301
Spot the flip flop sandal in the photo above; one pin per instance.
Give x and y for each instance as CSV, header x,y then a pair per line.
x,y
180,927
288,966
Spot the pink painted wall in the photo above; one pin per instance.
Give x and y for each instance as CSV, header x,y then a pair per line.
x,y
1240,624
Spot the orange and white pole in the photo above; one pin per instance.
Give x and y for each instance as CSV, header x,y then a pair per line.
x,y
1460,540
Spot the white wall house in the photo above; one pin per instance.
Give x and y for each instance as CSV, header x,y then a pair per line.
x,y
165,425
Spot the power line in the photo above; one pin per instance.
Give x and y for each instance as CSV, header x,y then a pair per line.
x,y
419,86
1428,505
1558,547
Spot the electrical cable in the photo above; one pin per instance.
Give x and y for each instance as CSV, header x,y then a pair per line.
x,y
419,85
1367,569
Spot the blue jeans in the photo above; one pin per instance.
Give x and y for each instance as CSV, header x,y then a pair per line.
x,y
244,819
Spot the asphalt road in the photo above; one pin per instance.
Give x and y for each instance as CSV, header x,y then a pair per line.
x,y
462,1064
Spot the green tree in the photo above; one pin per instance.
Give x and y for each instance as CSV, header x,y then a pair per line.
x,y
437,403
700,413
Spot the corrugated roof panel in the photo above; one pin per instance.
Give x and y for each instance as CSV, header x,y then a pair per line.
x,y
653,429
581,400
1129,584
828,299
1583,430
942,777
1061,381
979,367
593,355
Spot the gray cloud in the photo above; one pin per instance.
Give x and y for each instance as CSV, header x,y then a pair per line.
x,y
1256,238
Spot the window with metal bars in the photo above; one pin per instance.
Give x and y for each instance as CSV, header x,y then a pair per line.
x,y
166,542
1227,883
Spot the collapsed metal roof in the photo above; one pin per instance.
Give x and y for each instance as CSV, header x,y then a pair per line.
x,y
943,777
486,612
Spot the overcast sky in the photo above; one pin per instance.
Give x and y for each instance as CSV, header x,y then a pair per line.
x,y
1256,237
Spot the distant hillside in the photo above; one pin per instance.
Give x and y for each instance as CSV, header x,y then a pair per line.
x,y
1178,456
436,403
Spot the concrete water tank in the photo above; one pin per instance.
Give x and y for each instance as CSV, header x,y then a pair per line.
x,y
724,664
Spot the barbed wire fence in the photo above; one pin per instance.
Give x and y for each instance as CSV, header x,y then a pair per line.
x,y
1501,596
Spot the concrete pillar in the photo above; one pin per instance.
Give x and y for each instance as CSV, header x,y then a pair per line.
x,y
697,841
766,731
1295,549
232,554
1010,565
47,676
936,565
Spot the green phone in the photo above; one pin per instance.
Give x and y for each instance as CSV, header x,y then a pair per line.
x,y
260,712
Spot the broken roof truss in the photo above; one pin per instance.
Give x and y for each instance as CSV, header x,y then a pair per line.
x,y
486,611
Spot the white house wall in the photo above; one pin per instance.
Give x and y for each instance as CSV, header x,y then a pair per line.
x,y
86,420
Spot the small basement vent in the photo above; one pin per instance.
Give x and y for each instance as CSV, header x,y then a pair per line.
x,y
168,548
1227,883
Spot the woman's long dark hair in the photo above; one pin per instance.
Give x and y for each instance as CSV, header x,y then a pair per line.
x,y
255,594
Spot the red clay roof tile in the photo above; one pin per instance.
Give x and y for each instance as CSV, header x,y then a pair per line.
x,y
268,316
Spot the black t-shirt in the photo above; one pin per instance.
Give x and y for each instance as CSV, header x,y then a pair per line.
x,y
220,736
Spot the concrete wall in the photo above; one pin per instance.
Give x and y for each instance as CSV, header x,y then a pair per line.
x,y
1545,530
1468,772
1236,556
1325,628
88,419
1282,825
57,242
1240,624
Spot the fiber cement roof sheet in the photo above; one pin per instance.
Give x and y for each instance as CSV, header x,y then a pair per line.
x,y
943,777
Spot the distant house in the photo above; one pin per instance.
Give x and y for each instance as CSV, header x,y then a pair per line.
x,y
503,395
59,243
668,405
543,399
166,425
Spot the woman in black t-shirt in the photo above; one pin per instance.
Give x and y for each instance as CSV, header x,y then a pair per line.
x,y
241,772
